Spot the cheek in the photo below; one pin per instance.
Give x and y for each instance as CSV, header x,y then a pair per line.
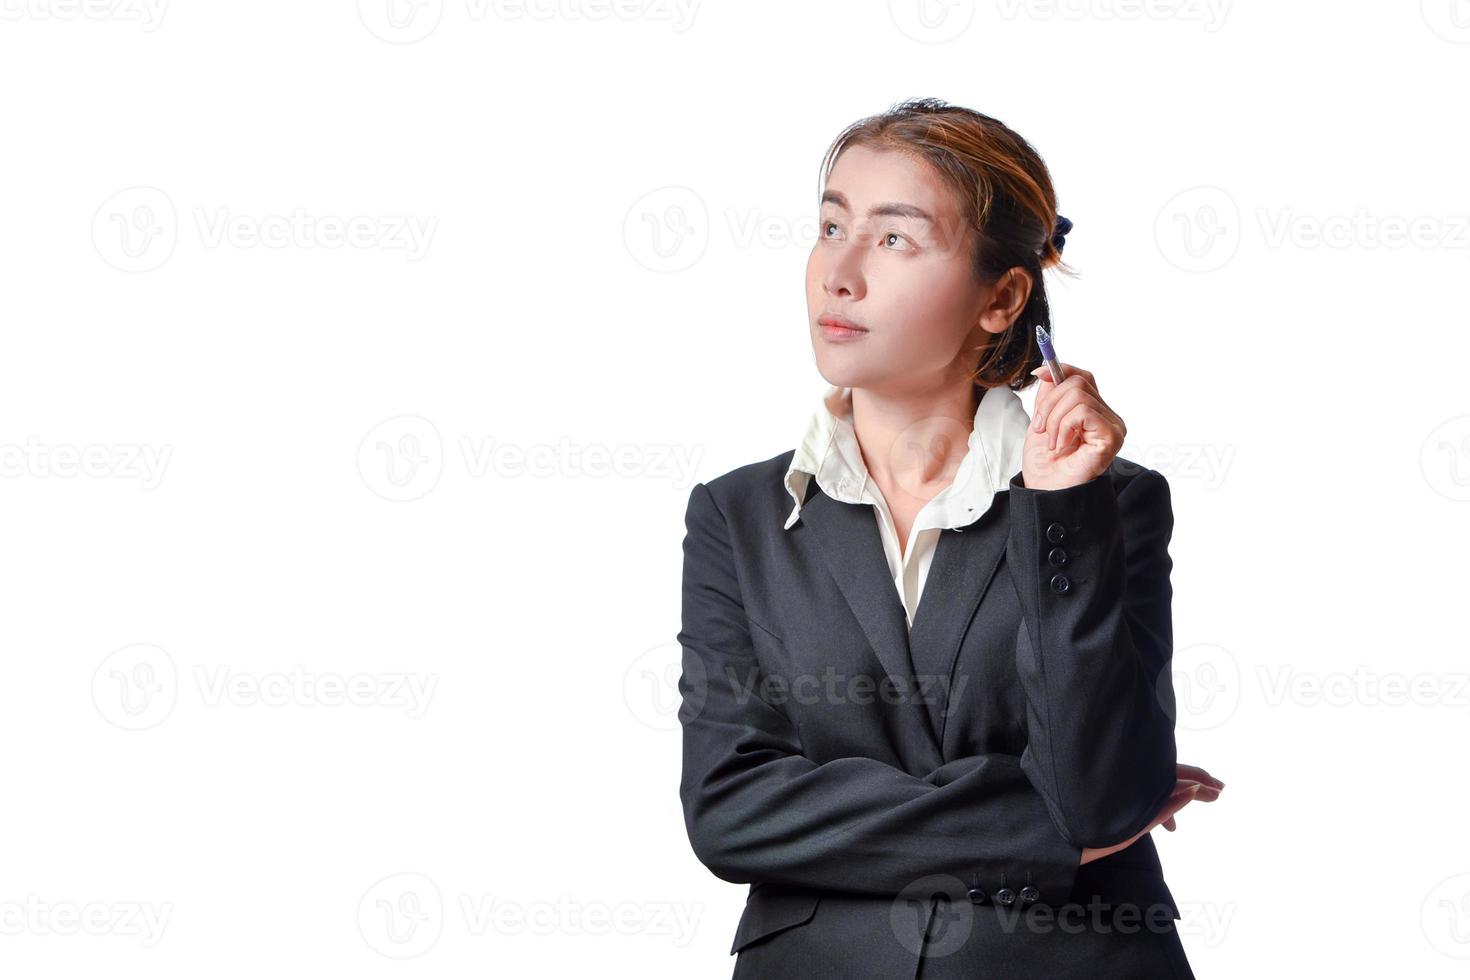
x,y
933,303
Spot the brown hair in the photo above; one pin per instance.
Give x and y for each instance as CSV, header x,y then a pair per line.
x,y
1005,195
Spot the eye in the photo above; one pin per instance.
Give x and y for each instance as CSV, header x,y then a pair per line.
x,y
826,225
893,234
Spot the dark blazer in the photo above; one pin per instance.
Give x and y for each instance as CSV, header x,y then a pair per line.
x,y
894,795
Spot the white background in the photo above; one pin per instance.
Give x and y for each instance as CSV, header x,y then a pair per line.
x,y
246,461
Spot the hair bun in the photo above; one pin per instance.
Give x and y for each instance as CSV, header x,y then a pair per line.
x,y
1059,235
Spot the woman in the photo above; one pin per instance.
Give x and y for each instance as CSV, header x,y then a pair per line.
x,y
961,786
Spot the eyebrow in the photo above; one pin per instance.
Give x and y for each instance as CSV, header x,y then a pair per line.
x,y
894,208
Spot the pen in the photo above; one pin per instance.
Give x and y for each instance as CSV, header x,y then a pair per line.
x,y
1043,340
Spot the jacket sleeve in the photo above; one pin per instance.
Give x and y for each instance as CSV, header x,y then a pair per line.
x,y
757,809
1091,566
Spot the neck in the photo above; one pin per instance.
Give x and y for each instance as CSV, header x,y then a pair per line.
x,y
913,442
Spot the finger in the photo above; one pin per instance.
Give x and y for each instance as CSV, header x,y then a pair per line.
x,y
1182,796
1197,774
1058,401
1048,393
1073,426
1170,825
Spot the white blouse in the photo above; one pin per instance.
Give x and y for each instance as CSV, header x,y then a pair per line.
x,y
829,451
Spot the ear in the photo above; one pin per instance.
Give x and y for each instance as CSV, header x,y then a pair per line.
x,y
1005,300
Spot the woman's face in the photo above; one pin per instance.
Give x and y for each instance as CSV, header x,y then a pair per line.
x,y
893,255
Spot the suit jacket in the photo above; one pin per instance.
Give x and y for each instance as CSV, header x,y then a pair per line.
x,y
892,795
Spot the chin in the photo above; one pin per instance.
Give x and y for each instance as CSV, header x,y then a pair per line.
x,y
846,372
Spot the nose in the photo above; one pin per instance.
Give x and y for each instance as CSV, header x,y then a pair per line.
x,y
843,275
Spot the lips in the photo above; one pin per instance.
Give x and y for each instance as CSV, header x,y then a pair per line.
x,y
839,322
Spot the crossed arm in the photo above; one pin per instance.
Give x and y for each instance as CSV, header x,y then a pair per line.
x,y
757,809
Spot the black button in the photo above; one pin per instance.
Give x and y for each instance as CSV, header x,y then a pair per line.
x,y
977,895
1060,584
1005,897
1029,895
1057,556
1055,532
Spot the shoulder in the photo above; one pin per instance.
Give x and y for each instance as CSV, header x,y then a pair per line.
x,y
752,476
749,491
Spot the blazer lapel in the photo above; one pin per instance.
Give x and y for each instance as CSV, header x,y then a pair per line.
x,y
848,538
964,562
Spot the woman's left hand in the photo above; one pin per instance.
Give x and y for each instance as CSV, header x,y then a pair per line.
x,y
1079,435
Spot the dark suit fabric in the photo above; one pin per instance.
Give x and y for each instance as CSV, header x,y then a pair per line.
x,y
913,803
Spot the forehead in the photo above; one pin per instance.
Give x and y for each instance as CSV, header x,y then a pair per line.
x,y
866,176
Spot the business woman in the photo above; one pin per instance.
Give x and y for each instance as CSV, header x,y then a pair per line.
x,y
926,701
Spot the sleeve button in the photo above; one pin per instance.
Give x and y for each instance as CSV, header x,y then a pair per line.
x,y
1057,556
1029,894
1060,584
1005,897
977,895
